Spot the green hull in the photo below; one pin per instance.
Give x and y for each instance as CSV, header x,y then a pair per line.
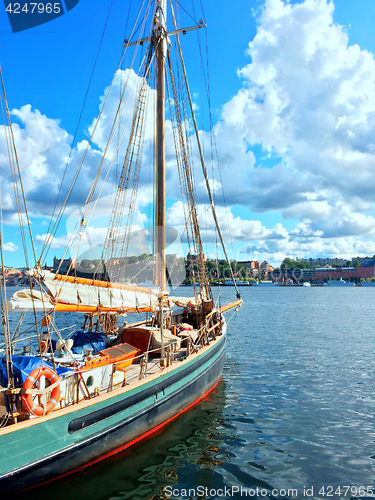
x,y
41,449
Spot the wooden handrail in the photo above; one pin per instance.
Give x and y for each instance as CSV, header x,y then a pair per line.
x,y
213,327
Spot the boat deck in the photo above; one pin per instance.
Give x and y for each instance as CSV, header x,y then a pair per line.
x,y
153,366
132,375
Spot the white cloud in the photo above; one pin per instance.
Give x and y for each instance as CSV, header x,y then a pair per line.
x,y
42,148
274,251
10,247
100,227
352,224
56,242
309,98
232,227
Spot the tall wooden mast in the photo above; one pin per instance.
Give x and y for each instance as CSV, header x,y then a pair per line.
x,y
159,39
160,42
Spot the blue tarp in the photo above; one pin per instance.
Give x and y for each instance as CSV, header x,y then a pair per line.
x,y
23,366
88,340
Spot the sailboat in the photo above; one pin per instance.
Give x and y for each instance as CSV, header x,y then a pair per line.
x,y
69,402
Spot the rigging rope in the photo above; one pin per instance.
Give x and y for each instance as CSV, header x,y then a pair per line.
x,y
17,185
4,309
133,156
48,243
212,135
115,125
183,8
78,124
190,192
202,159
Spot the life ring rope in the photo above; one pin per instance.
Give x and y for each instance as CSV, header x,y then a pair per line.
x,y
39,392
45,406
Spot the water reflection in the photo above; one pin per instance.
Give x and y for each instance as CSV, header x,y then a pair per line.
x,y
194,442
296,408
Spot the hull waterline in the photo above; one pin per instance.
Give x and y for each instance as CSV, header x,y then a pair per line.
x,y
79,438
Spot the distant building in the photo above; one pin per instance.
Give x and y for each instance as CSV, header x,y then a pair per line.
x,y
335,269
15,277
65,264
364,261
264,266
323,261
249,264
346,273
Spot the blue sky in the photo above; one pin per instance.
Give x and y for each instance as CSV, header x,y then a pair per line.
x,y
293,118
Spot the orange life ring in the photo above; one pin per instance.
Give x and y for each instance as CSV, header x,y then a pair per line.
x,y
27,399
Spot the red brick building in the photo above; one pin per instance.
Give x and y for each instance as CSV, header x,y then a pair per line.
x,y
345,273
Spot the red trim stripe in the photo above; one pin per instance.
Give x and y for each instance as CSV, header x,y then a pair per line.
x,y
134,441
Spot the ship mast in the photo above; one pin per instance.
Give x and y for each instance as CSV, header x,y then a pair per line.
x,y
159,39
160,44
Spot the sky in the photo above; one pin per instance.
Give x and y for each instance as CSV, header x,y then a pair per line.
x,y
292,89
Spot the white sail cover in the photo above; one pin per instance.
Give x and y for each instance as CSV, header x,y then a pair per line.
x,y
29,300
186,301
83,293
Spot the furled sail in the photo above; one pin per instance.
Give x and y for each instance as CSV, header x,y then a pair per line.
x,y
30,300
70,293
186,301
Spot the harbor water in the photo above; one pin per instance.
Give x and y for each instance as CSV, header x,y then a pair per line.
x,y
292,418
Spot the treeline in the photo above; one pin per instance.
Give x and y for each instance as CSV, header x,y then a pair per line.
x,y
291,264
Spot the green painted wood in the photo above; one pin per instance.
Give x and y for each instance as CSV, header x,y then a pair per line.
x,y
28,445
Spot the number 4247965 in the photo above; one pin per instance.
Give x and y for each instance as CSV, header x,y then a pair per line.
x,y
38,8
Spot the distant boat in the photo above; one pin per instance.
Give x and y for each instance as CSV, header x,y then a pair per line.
x,y
238,283
306,283
265,282
340,282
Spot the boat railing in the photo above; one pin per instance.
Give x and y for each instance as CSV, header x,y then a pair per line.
x,y
191,347
144,361
81,389
207,328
